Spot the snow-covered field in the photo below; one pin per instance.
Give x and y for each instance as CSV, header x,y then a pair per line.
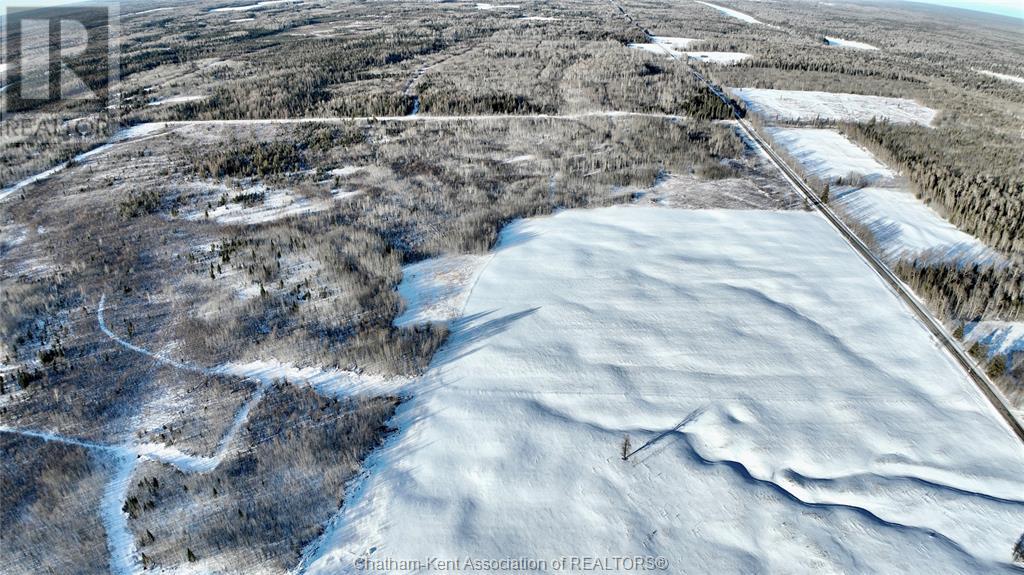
x,y
724,58
255,6
902,224
735,14
672,47
796,105
786,413
827,154
905,226
849,44
436,289
1007,77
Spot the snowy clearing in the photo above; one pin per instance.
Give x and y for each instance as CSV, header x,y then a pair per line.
x,y
255,6
485,6
796,105
176,100
668,46
730,12
841,43
275,205
325,381
828,154
1007,77
723,58
786,413
903,225
346,171
436,289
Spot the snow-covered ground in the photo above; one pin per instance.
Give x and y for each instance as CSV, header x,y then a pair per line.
x,y
325,381
486,6
735,14
277,204
672,47
1007,77
724,58
903,225
255,6
1001,337
786,413
176,100
827,154
436,289
849,44
796,105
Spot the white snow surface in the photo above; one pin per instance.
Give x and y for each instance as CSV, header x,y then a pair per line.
x,y
325,381
255,6
797,105
905,226
849,44
277,204
1006,77
176,100
734,13
1002,337
724,58
828,154
436,289
486,6
902,224
788,414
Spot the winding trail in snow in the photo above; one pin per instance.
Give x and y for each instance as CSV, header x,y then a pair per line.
x,y
124,557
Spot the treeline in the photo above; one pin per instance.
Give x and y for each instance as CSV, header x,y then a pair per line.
x,y
975,178
967,292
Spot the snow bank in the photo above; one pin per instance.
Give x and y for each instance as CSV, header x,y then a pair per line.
x,y
735,14
786,413
848,44
827,154
795,105
436,289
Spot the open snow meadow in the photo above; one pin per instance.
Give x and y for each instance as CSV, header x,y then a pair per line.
x,y
797,105
785,412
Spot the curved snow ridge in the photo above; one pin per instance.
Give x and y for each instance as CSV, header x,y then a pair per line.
x,y
967,519
799,493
